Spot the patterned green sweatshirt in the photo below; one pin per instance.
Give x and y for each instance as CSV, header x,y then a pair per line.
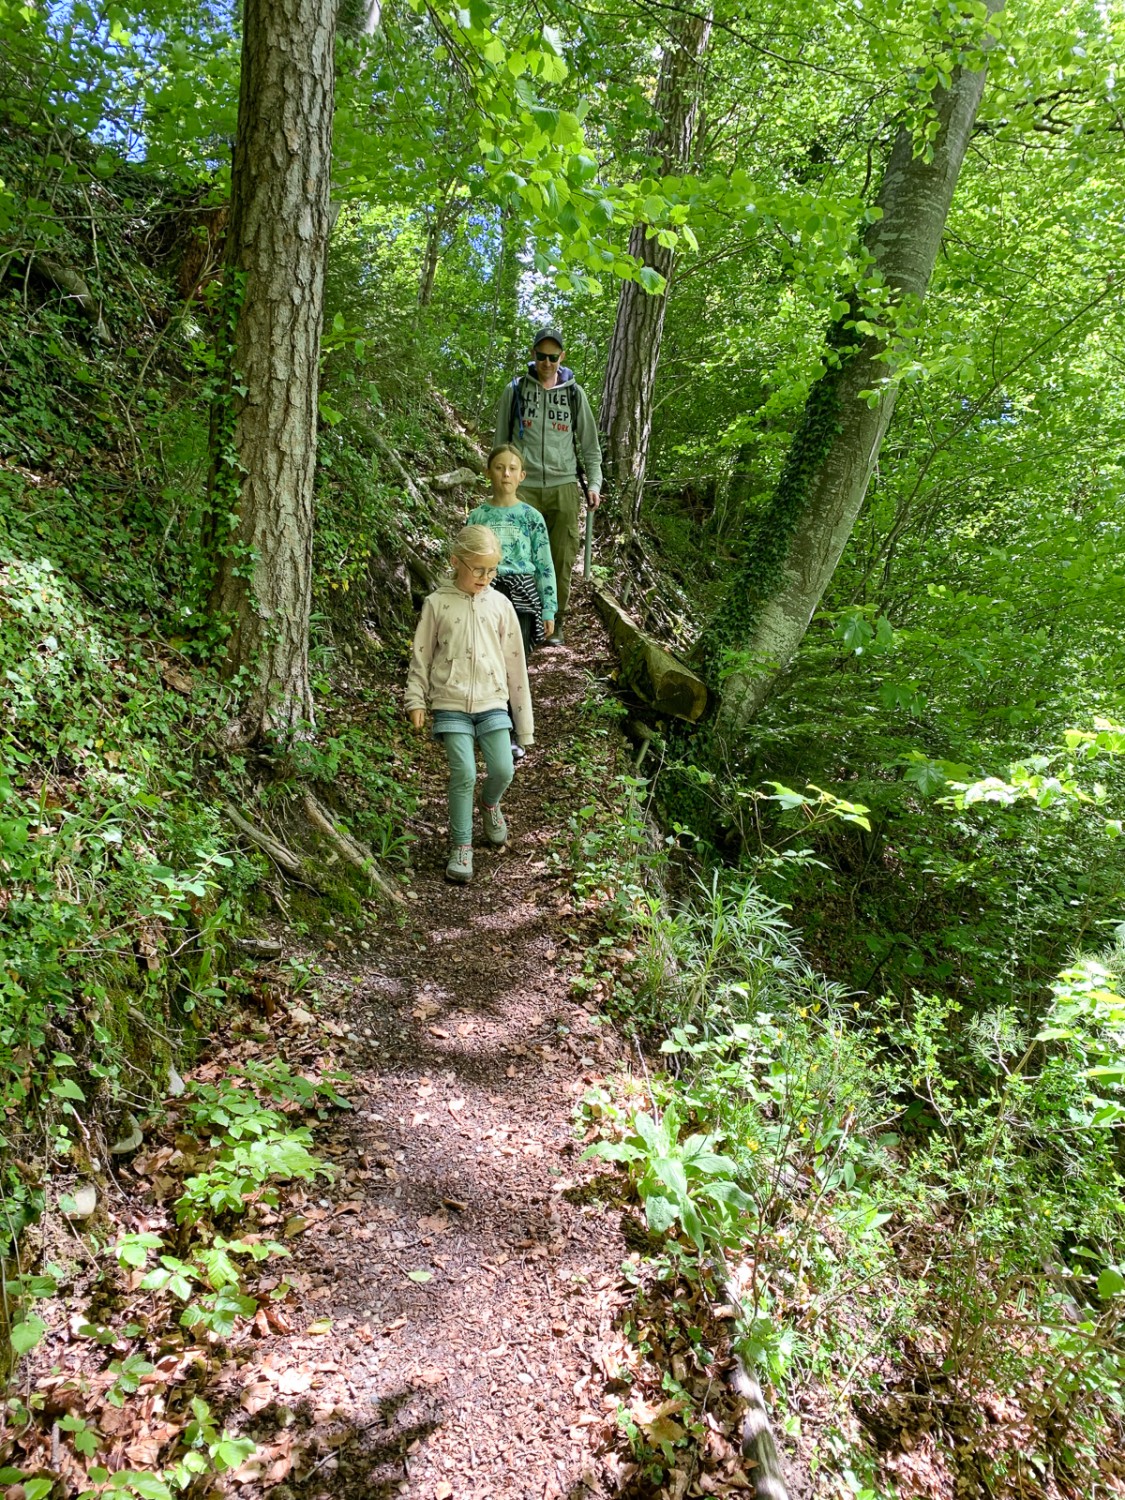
x,y
522,533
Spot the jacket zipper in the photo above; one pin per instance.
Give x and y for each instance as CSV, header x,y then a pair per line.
x,y
542,396
472,653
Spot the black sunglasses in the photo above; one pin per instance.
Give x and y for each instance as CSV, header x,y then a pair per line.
x,y
551,359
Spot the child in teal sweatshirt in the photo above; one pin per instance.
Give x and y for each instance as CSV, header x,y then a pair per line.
x,y
527,574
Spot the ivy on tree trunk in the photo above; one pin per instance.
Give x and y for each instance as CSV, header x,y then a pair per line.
x,y
798,541
276,251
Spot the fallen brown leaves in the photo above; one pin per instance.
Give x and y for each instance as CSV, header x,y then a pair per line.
x,y
663,1362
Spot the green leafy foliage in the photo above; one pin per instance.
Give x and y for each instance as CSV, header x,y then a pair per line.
x,y
932,796
240,1173
841,1126
679,1182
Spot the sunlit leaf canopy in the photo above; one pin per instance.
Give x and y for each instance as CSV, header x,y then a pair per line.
x,y
547,116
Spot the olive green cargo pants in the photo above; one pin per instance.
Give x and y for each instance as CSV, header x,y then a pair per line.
x,y
558,506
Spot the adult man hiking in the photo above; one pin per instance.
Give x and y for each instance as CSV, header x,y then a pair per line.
x,y
546,414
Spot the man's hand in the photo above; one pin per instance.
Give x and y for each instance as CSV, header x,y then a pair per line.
x,y
417,719
595,499
548,629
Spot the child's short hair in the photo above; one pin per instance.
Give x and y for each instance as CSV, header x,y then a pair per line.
x,y
504,448
477,541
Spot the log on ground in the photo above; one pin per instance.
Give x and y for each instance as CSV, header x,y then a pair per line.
x,y
647,668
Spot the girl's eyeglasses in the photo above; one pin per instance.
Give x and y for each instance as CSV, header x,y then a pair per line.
x,y
550,359
485,575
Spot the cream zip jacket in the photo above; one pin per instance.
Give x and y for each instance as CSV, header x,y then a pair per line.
x,y
468,655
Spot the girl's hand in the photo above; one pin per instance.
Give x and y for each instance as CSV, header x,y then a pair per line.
x,y
417,718
548,629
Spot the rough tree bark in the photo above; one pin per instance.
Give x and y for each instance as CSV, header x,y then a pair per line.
x,y
276,250
798,543
634,350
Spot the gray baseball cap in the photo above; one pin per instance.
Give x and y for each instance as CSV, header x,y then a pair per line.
x,y
548,333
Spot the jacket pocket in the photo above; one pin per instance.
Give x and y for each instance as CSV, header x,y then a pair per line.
x,y
449,674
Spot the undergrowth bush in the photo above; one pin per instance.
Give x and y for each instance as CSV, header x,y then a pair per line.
x,y
118,884
245,1138
799,1137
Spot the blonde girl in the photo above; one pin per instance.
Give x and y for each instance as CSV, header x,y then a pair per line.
x,y
468,665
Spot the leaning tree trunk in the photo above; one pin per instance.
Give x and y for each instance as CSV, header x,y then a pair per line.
x,y
276,250
798,542
634,350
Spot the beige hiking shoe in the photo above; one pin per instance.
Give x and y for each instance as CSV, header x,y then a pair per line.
x,y
495,828
460,866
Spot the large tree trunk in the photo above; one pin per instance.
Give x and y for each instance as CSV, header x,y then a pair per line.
x,y
798,542
276,250
634,350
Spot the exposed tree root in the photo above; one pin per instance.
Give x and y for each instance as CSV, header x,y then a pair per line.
x,y
259,947
758,1443
453,480
348,848
304,870
284,858
75,287
413,488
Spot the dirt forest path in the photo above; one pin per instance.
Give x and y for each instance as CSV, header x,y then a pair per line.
x,y
467,1290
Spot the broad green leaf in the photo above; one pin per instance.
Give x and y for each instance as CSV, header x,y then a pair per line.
x,y
27,1334
660,1213
654,1136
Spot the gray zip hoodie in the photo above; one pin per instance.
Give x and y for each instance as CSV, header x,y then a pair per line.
x,y
542,432
468,655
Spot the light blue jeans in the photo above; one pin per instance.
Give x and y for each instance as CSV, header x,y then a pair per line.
x,y
460,751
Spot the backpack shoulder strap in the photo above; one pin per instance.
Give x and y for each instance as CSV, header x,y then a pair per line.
x,y
515,410
579,466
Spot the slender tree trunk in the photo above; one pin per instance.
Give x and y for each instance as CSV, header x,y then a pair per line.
x,y
798,543
439,221
430,256
503,331
634,350
359,17
276,250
